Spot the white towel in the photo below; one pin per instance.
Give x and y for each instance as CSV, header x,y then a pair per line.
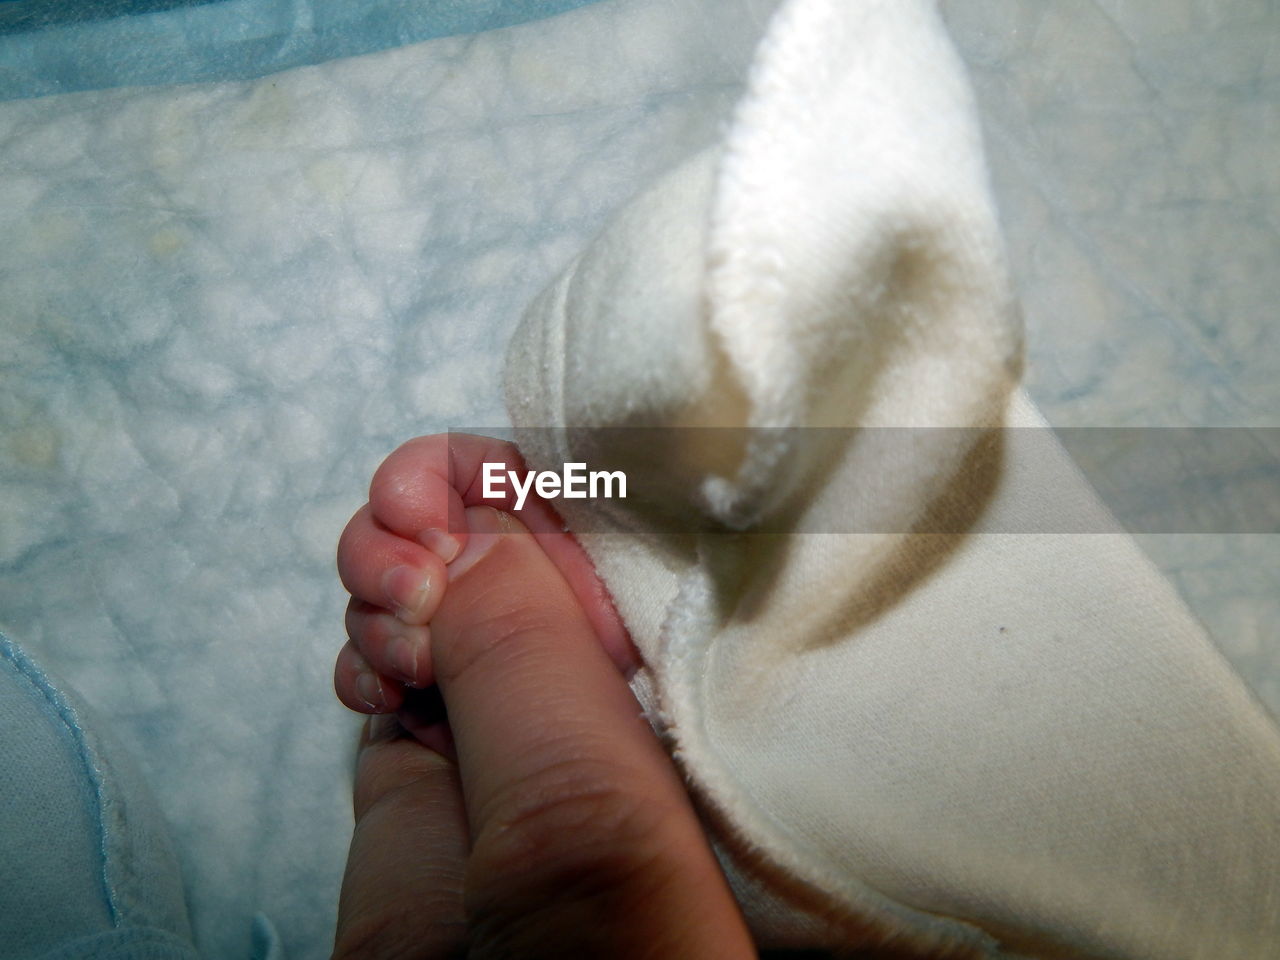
x,y
1012,740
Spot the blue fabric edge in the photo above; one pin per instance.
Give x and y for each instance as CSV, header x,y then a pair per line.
x,y
44,688
237,40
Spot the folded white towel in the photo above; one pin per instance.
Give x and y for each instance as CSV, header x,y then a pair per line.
x,y
990,742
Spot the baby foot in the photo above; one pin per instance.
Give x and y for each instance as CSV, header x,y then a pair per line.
x,y
398,553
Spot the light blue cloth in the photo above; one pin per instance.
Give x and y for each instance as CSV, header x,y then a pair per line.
x,y
49,46
86,866
87,869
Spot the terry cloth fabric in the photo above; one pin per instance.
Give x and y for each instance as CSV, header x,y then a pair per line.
x,y
984,727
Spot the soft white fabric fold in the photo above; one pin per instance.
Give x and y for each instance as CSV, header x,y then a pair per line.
x,y
969,732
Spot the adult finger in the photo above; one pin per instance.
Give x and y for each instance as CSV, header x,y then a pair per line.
x,y
402,891
584,842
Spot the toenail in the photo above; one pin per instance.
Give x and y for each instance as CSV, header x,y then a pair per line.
x,y
369,690
402,655
444,545
413,594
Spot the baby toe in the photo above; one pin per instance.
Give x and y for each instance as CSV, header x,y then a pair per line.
x,y
388,571
392,647
412,494
360,687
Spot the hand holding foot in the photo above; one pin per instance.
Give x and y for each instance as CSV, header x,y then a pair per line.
x,y
562,829
399,551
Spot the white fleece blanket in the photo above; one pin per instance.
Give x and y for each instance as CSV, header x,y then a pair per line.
x,y
929,692
222,304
